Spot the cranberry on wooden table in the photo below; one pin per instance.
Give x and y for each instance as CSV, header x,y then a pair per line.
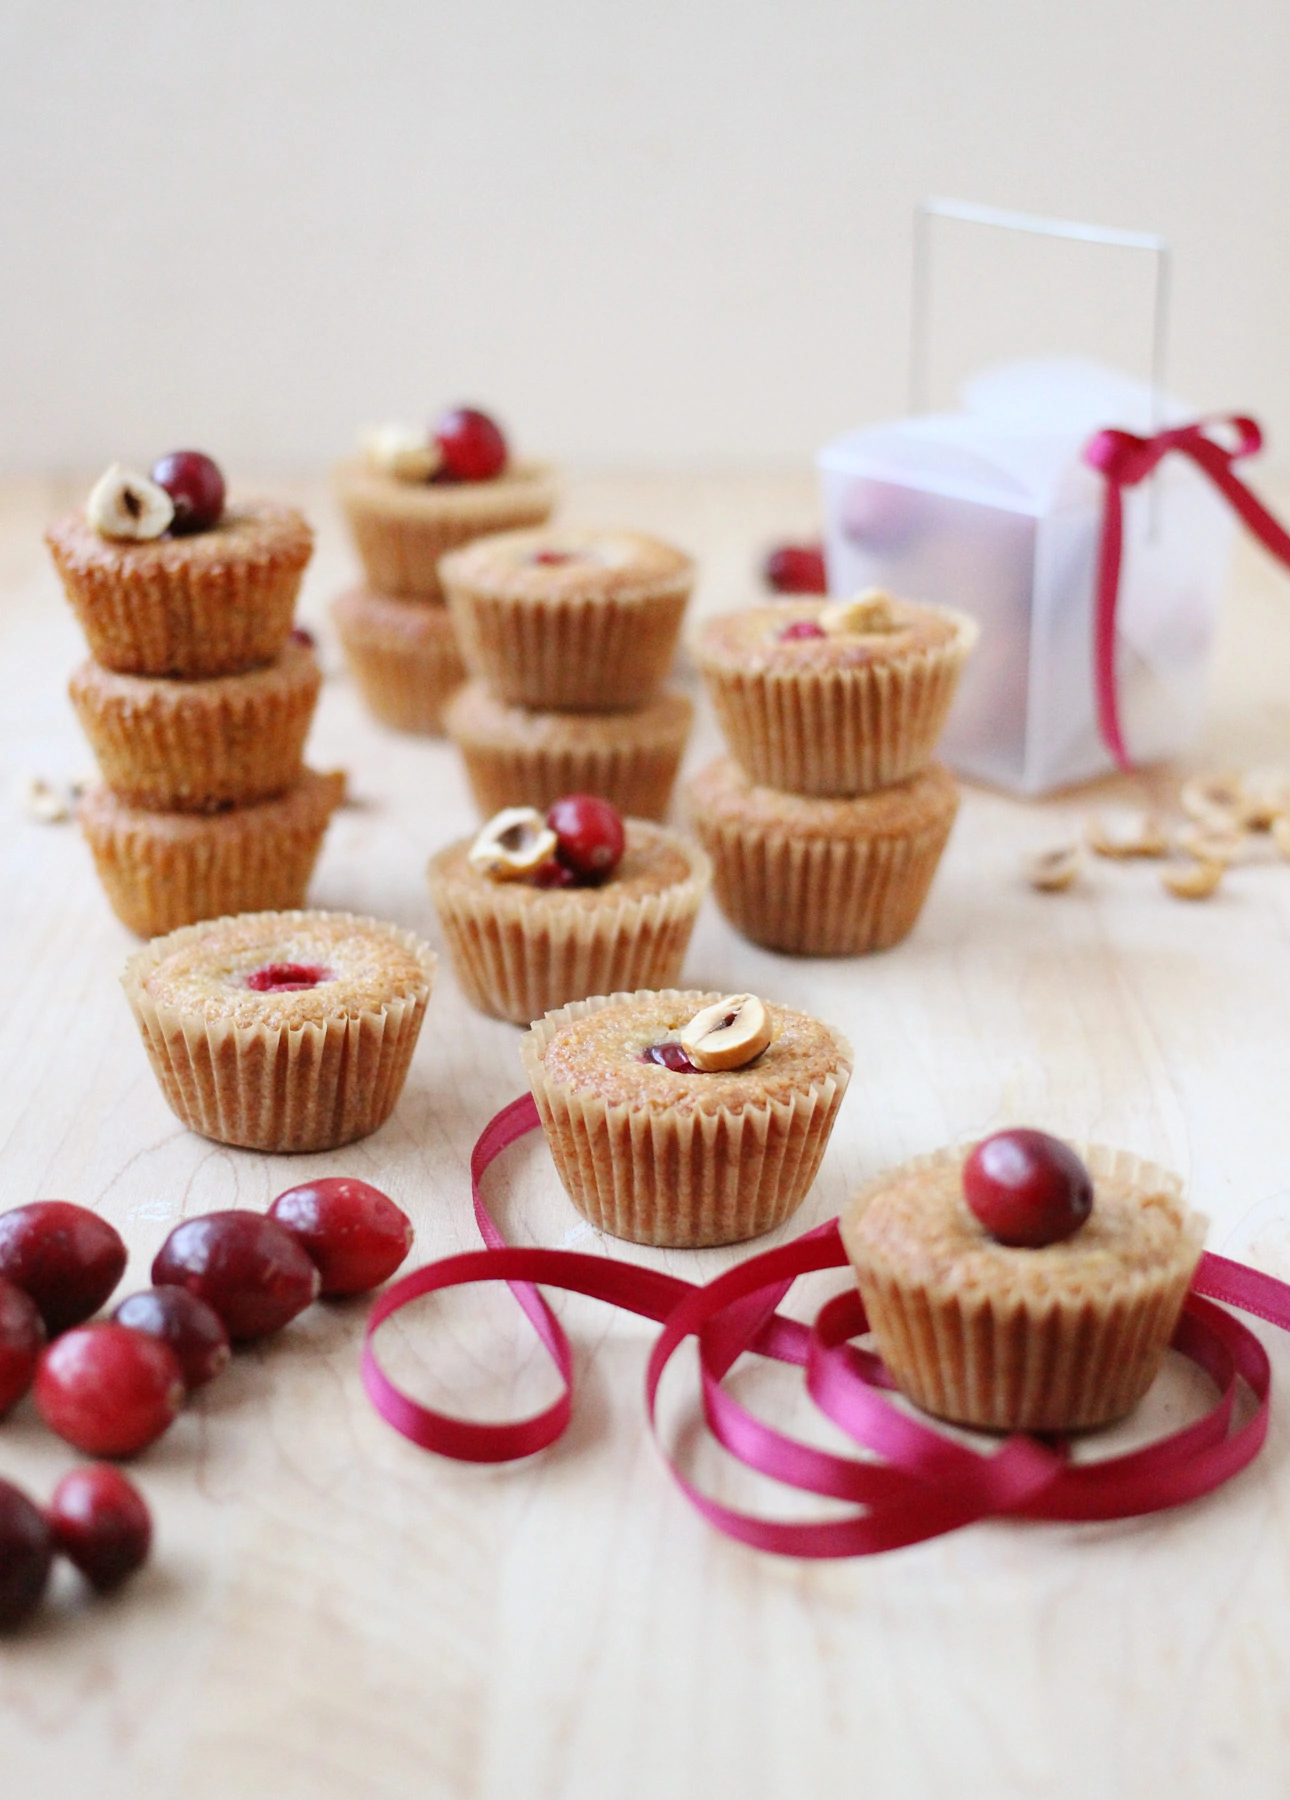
x,y
1028,1189
246,1266
108,1390
193,1330
22,1338
354,1233
101,1523
196,489
590,838
66,1257
796,569
26,1551
471,445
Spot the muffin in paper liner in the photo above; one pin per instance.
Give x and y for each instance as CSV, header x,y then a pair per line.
x,y
519,950
289,1070
164,870
569,621
213,603
1061,1338
692,1159
196,746
834,715
820,877
404,657
402,528
516,757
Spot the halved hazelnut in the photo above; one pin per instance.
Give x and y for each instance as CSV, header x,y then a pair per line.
x,y
865,615
124,504
1214,842
514,843
41,800
727,1034
1127,834
1214,799
1194,880
404,451
1281,835
1052,871
1266,793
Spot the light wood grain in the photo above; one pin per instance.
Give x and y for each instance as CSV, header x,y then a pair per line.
x,y
334,1613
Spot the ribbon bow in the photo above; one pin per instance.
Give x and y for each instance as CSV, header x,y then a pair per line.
x,y
1126,460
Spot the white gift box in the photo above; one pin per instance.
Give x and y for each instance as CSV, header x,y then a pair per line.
x,y
992,510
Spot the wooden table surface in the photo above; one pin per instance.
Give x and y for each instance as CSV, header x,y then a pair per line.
x,y
332,1612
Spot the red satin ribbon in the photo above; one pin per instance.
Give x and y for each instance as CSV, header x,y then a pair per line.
x,y
1126,460
925,1483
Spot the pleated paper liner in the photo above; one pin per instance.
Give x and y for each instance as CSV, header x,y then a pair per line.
x,y
838,731
196,746
270,1087
996,1357
402,528
667,1176
818,877
404,657
517,757
519,951
214,603
165,870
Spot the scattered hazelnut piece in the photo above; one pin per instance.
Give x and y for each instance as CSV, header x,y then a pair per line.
x,y
403,451
515,842
1266,794
1130,834
1053,871
868,613
42,801
727,1035
1213,842
1214,800
1281,835
124,504
1194,880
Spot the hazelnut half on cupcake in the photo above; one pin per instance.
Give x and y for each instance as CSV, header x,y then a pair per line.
x,y
543,908
414,494
1023,1285
686,1119
834,698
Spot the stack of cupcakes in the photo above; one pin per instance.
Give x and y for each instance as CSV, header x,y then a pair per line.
x,y
197,698
826,824
569,637
409,499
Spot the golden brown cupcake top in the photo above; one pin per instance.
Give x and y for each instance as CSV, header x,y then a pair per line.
x,y
524,482
553,564
600,1055
723,793
919,1230
752,640
287,969
250,531
295,667
655,859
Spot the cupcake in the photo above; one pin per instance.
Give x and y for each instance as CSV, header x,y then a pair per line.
x,y
535,914
403,656
664,1134
165,588
414,495
818,877
517,757
281,1031
1016,1288
163,870
569,621
834,698
196,746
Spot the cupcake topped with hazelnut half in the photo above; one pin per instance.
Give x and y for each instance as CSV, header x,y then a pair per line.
x,y
167,577
1023,1285
834,697
686,1118
415,492
542,908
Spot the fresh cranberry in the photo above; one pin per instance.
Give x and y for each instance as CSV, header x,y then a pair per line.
x,y
589,834
671,1056
796,569
287,978
1027,1189
551,558
193,1330
554,875
102,1524
108,1390
354,1232
248,1267
195,485
301,634
22,1338
472,446
64,1256
802,628
26,1551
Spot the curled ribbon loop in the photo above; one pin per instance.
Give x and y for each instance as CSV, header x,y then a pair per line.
x,y
923,1483
1125,460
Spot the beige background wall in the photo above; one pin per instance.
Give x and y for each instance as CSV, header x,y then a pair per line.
x,y
642,234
